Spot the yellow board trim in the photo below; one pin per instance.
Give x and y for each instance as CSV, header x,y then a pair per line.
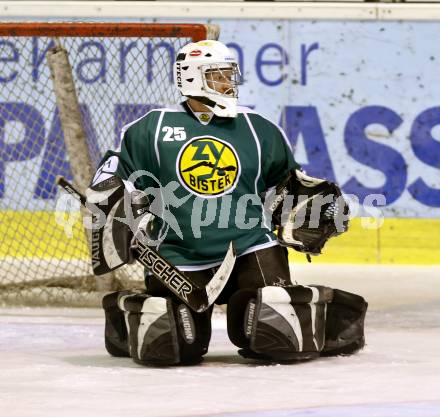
x,y
398,241
39,234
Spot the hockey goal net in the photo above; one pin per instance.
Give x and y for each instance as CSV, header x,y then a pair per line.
x,y
120,71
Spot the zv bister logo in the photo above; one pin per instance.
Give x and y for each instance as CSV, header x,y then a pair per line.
x,y
208,166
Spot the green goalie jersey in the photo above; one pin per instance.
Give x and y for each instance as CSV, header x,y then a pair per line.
x,y
207,175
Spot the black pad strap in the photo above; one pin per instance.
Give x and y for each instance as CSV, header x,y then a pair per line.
x,y
237,306
344,330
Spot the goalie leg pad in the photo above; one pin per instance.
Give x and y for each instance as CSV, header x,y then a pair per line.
x,y
279,323
345,324
163,331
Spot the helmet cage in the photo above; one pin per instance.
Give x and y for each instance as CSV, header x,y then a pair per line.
x,y
217,76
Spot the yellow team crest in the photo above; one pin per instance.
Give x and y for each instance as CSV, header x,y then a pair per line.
x,y
208,166
204,117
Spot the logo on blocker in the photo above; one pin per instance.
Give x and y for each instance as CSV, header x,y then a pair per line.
x,y
208,166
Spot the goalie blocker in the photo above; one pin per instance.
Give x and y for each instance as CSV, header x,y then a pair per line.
x,y
120,235
308,211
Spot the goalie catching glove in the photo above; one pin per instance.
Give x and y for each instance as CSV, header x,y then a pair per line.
x,y
308,212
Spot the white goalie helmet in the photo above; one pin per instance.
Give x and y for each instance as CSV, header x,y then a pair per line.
x,y
208,71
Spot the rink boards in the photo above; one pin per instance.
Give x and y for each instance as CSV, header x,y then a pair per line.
x,y
397,241
366,117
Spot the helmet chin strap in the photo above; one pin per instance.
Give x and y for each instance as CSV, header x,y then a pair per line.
x,y
204,100
211,104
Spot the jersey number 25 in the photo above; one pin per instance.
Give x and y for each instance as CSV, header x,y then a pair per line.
x,y
173,133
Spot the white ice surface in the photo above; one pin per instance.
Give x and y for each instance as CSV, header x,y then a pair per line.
x,y
53,362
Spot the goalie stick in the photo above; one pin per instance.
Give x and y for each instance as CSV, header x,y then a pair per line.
x,y
196,297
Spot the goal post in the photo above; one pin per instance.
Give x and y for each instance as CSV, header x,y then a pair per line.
x,y
190,31
75,139
120,71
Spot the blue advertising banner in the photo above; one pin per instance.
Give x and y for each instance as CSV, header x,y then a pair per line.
x,y
359,101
